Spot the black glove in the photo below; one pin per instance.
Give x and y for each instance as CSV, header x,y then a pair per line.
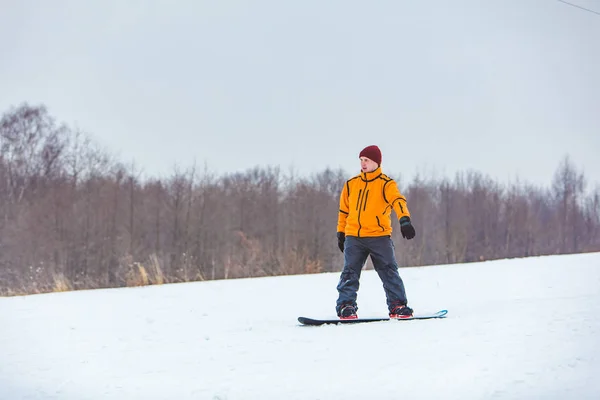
x,y
341,239
408,231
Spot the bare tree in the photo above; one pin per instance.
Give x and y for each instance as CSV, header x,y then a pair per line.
x,y
72,217
568,188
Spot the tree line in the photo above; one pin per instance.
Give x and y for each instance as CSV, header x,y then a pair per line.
x,y
73,217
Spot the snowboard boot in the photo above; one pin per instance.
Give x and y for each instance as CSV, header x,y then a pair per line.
x,y
401,311
348,311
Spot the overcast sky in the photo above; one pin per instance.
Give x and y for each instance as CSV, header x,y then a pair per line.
x,y
504,87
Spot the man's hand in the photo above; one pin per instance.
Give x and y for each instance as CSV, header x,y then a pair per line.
x,y
408,231
341,236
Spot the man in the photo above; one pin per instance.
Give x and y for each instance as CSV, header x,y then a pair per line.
x,y
364,228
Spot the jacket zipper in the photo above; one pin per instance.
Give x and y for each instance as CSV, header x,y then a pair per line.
x,y
360,209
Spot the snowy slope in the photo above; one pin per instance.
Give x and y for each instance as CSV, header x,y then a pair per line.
x,y
517,329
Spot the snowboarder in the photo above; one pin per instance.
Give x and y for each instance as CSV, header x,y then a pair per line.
x,y
364,228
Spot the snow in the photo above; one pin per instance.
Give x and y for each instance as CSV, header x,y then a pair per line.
x,y
516,329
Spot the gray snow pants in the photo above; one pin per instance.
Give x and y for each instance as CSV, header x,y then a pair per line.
x,y
381,250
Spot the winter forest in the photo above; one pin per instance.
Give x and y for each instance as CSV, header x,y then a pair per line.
x,y
74,217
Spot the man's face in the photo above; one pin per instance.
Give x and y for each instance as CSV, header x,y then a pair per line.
x,y
367,165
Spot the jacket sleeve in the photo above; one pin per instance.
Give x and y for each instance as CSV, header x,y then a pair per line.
x,y
395,199
344,209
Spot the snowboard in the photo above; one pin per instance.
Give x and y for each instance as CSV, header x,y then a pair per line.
x,y
317,322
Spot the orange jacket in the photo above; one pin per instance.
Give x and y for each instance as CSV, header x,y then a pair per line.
x,y
366,204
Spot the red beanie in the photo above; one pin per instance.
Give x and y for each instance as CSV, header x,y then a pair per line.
x,y
371,152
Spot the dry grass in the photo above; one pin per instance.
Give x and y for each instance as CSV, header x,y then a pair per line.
x,y
139,274
61,283
136,275
158,278
313,267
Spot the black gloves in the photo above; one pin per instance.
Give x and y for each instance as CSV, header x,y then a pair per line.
x,y
408,231
341,239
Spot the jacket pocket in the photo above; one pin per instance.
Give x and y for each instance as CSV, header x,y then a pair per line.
x,y
358,199
379,223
